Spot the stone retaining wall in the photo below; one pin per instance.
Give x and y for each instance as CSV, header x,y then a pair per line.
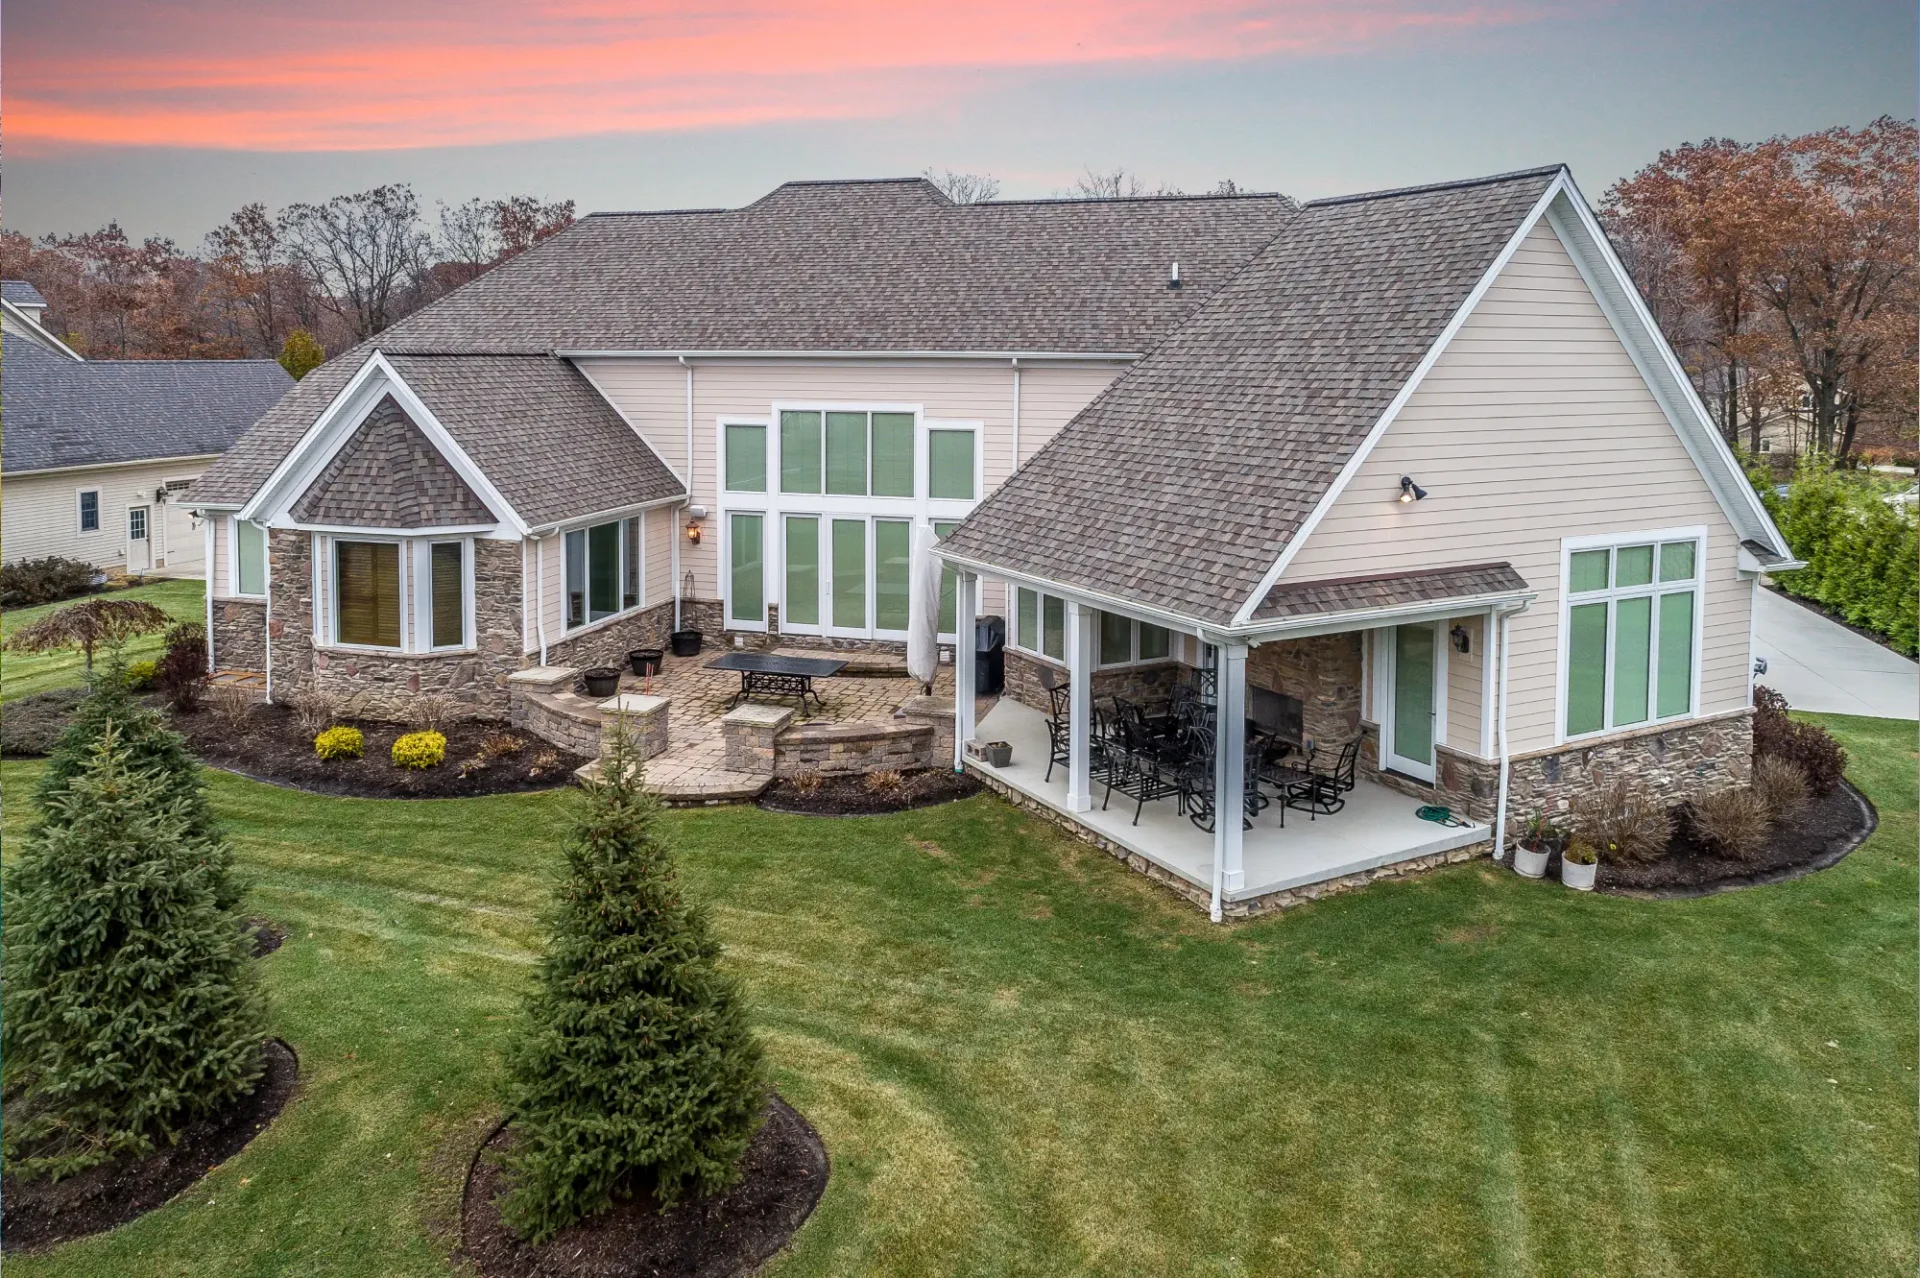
x,y
610,644
543,702
239,634
854,747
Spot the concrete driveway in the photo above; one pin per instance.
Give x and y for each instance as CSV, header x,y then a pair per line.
x,y
1818,665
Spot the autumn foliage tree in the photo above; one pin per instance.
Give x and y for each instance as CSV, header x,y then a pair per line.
x,y
1782,266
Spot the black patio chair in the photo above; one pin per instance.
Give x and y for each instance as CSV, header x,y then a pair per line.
x,y
1323,793
1196,783
1138,763
1059,692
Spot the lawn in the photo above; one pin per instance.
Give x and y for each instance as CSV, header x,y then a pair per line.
x,y
21,674
1026,1060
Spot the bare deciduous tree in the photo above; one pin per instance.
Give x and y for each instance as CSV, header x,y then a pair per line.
x,y
1115,184
964,188
366,253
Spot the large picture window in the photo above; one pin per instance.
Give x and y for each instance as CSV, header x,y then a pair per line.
x,y
1632,620
249,558
602,571
846,453
366,577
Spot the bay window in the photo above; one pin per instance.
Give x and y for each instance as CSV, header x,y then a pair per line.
x,y
447,614
1632,625
602,571
366,589
404,593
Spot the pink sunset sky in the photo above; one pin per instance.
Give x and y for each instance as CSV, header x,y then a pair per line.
x,y
188,107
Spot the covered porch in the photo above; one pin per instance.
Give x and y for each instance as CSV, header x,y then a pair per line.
x,y
1320,728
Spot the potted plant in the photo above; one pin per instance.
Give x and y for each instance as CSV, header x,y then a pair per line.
x,y
685,643
1578,865
645,661
601,681
1539,839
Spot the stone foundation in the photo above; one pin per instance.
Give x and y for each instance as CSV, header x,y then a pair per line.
x,y
381,685
239,634
610,644
1251,907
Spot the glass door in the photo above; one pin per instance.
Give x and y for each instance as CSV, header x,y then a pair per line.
x,y
1413,677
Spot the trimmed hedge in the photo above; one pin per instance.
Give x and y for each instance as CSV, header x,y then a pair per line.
x,y
48,580
1863,555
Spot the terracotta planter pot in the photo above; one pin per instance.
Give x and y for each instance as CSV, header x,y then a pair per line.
x,y
1529,864
1578,877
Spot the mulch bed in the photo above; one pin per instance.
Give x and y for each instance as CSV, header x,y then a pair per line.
x,y
1819,837
848,795
32,725
783,1175
40,1213
270,746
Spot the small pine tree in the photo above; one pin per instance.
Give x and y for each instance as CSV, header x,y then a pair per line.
x,y
635,1069
151,746
301,353
132,1006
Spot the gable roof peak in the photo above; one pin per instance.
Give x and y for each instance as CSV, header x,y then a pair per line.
x,y
1457,184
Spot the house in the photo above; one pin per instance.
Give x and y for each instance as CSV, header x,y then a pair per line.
x,y
1412,473
98,452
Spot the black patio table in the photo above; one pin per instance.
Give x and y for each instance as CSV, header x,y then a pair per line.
x,y
773,675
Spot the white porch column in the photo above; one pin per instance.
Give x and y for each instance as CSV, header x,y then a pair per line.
x,y
966,592
1229,771
1080,629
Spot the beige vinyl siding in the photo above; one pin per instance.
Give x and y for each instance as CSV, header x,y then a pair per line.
x,y
656,583
548,556
218,579
1465,674
1534,425
651,394
40,515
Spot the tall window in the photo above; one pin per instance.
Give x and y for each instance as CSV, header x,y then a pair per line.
x,y
746,461
89,510
366,577
748,569
949,585
249,559
448,611
1631,620
602,571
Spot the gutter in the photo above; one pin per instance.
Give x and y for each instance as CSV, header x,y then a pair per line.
x,y
111,465
612,512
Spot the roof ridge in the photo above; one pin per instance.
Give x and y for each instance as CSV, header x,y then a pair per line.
x,y
1456,184
193,359
1132,199
649,212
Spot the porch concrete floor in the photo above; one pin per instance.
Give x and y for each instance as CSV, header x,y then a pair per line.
x,y
1377,827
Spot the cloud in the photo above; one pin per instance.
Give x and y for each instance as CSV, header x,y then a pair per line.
x,y
239,74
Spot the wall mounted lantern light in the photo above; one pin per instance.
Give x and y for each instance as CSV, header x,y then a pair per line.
x,y
1462,640
693,532
1410,491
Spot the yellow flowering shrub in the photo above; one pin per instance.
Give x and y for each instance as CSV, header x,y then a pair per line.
x,y
420,750
340,743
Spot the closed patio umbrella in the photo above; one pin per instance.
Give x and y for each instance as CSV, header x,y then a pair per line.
x,y
923,608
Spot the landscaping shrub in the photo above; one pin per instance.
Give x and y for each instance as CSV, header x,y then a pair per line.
x,y
1624,824
884,781
1862,555
233,705
49,580
1807,745
32,725
492,748
1540,834
419,750
1781,785
89,626
430,711
808,782
153,747
340,743
1580,852
132,1006
1733,821
141,675
634,1068
314,711
182,674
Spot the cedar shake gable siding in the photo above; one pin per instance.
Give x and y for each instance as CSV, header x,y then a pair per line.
x,y
387,475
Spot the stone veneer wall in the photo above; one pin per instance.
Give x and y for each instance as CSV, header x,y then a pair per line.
x,y
380,685
1324,673
1674,762
1143,684
610,644
239,634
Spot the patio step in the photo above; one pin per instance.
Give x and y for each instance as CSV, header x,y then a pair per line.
x,y
713,788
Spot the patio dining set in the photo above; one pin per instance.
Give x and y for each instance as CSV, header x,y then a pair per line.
x,y
1167,751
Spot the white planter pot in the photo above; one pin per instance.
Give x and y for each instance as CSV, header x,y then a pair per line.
x,y
1578,877
1532,865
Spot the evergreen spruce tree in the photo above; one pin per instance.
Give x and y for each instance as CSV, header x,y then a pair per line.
x,y
132,1006
151,746
635,1069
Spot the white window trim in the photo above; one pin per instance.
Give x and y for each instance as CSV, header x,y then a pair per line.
x,y
422,599
774,507
408,628
1612,541
1039,625
560,535
233,560
79,524
1133,644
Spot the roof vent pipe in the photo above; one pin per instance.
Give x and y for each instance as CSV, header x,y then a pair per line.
x,y
1173,276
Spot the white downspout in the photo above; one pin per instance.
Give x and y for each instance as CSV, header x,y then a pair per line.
x,y
211,666
540,598
678,622
266,581
1500,813
673,566
1016,414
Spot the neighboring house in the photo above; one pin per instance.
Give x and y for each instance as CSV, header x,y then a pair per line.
x,y
1376,457
97,453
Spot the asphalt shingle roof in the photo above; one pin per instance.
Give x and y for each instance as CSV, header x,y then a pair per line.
x,y
389,475
64,412
1179,486
21,293
1289,600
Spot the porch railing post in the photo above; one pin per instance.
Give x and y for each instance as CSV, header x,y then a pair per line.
x,y
1229,771
966,593
1080,628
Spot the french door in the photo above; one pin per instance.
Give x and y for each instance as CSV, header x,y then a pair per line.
x,y
1410,696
